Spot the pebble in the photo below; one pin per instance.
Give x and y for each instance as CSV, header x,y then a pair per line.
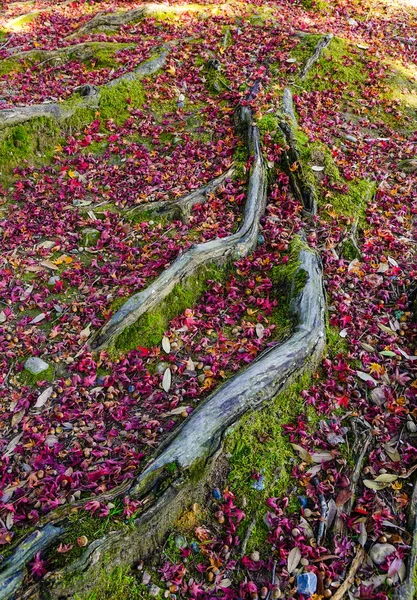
x,y
411,426
307,584
379,552
53,280
154,591
351,138
36,365
255,556
146,578
307,513
180,541
217,495
259,485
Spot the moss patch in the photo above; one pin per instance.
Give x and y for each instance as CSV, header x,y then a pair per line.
x,y
150,328
116,584
258,445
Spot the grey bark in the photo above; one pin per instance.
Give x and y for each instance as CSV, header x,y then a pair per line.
x,y
321,45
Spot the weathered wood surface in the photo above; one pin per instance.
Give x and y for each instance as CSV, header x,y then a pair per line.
x,y
260,382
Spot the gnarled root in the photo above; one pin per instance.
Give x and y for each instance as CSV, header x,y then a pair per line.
x,y
321,45
301,187
60,111
182,207
215,251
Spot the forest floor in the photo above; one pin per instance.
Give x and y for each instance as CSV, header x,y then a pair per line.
x,y
120,160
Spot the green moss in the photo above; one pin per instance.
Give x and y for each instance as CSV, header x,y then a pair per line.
x,y
116,584
19,22
258,444
316,5
335,344
150,328
240,160
27,378
351,203
32,141
116,100
340,64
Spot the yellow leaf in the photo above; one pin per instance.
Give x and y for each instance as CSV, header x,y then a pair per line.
x,y
376,368
72,174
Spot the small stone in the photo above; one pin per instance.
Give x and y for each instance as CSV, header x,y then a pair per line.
x,y
146,578
90,236
259,485
276,594
411,426
304,562
36,365
264,592
180,541
307,584
352,22
327,593
351,138
217,495
53,280
255,556
379,552
307,513
162,367
154,591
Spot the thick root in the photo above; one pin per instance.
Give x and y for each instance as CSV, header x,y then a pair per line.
x,y
218,251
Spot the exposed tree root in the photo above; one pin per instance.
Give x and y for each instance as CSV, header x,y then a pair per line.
x,y
83,51
301,187
115,20
182,207
215,251
90,96
260,382
321,45
196,444
349,581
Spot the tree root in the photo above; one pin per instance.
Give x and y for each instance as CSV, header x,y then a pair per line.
x,y
321,45
301,187
90,96
259,383
115,20
182,207
83,51
215,251
196,444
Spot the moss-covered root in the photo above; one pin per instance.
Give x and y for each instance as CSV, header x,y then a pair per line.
x,y
321,45
180,208
200,435
89,98
408,589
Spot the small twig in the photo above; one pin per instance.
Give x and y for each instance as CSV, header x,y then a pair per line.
x,y
7,43
348,582
7,375
247,536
